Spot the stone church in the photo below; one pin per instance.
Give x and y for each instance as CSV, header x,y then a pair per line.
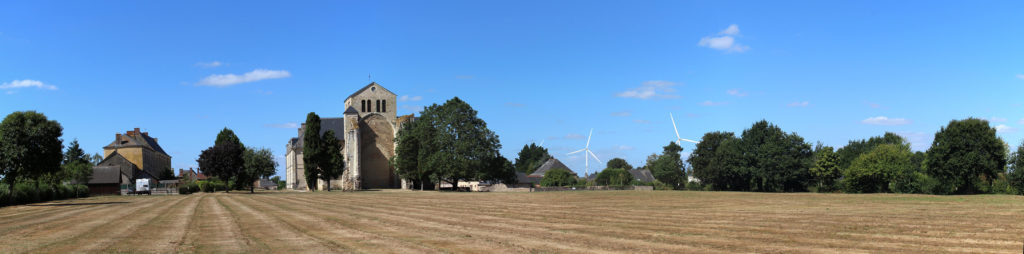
x,y
367,132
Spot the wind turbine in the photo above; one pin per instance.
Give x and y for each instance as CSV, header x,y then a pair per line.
x,y
679,139
586,151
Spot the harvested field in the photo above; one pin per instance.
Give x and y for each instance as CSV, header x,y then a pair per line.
x,y
561,222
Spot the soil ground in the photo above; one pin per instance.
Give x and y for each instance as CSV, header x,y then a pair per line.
x,y
553,222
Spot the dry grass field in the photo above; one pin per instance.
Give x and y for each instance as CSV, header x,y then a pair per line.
x,y
567,222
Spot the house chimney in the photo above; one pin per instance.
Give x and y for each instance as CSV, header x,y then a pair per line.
x,y
118,138
181,172
145,133
137,131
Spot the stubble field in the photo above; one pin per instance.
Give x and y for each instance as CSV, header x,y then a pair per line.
x,y
564,222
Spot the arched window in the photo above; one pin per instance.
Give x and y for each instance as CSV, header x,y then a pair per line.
x,y
384,106
378,105
362,105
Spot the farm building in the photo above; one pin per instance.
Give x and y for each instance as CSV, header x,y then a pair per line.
x,y
132,155
114,173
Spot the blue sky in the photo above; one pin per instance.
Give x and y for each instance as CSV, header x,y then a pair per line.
x,y
830,71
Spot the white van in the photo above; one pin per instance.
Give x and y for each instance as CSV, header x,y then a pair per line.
x,y
142,186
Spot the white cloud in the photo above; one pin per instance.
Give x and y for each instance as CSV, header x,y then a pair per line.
x,y
881,120
515,105
736,92
463,77
726,41
651,89
622,113
874,105
1005,128
624,148
1021,121
919,141
711,103
26,83
209,64
997,119
1020,76
574,136
282,125
410,98
800,104
731,30
641,121
252,76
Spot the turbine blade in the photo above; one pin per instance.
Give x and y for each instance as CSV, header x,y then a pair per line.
x,y
674,125
588,137
542,142
691,141
584,149
595,156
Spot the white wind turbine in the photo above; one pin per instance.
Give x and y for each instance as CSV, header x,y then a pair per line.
x,y
679,139
586,151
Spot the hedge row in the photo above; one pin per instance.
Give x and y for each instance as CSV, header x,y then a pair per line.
x,y
27,193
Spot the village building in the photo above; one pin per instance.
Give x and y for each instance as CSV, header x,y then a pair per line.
x,y
367,132
188,176
132,155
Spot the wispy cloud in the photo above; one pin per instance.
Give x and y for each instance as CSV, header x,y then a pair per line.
x,y
574,136
651,89
874,105
919,141
1005,128
410,98
622,114
997,119
881,120
799,104
282,125
26,83
209,64
515,105
736,92
724,40
252,76
711,103
641,121
1020,76
1021,121
463,77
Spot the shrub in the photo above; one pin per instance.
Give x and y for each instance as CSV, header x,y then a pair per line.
x,y
614,177
26,193
558,177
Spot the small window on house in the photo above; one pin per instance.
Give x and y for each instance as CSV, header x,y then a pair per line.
x,y
378,105
384,106
362,105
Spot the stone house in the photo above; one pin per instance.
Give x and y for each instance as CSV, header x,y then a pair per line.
x,y
140,149
367,132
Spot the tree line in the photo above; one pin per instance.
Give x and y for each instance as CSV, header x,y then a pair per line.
x,y
233,164
966,157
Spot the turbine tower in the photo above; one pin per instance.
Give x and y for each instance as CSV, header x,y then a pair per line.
x,y
679,139
586,151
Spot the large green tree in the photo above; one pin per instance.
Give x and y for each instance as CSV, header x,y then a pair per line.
x,y
618,163
855,148
668,168
610,176
718,161
406,162
531,157
886,168
453,142
1015,174
259,163
332,165
30,147
312,150
776,160
224,159
965,154
826,171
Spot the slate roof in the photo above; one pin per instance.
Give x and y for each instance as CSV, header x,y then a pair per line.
x,y
642,175
523,178
115,159
368,87
139,139
552,163
105,175
336,124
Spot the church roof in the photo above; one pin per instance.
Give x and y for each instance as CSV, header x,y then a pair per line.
x,y
336,124
368,87
552,163
136,139
351,110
